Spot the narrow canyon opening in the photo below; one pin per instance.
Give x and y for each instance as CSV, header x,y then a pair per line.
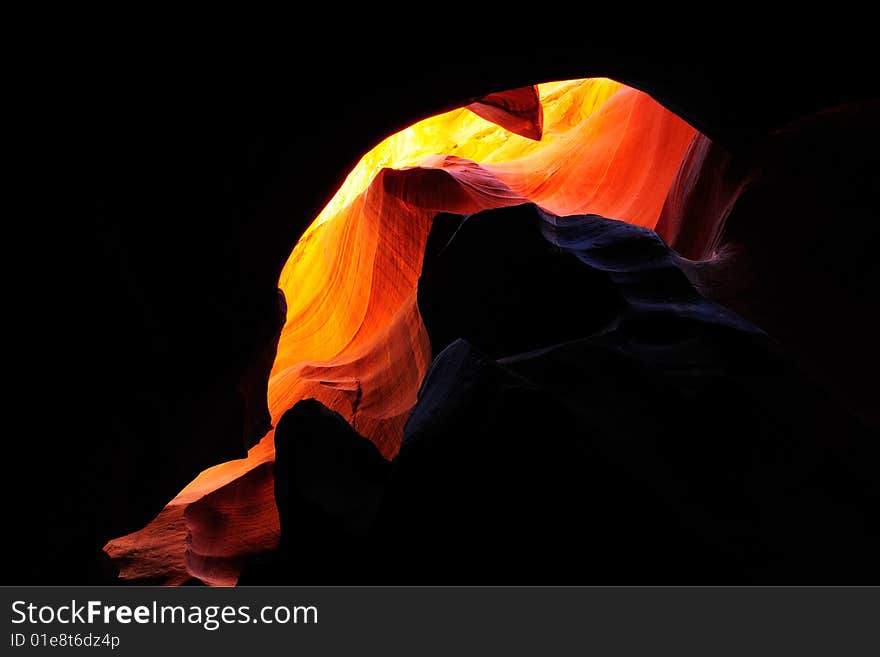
x,y
354,338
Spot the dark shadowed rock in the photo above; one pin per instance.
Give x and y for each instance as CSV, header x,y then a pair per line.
x,y
497,284
786,236
329,482
490,483
324,463
675,445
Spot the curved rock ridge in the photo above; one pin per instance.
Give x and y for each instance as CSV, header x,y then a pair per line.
x,y
354,339
630,255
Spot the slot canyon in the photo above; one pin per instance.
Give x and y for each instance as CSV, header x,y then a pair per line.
x,y
559,317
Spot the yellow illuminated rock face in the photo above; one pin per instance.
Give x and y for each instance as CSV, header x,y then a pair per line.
x,y
354,338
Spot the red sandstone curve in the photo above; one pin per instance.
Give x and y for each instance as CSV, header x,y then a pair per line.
x,y
354,338
517,110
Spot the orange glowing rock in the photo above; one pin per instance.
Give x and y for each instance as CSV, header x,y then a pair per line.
x,y
354,338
